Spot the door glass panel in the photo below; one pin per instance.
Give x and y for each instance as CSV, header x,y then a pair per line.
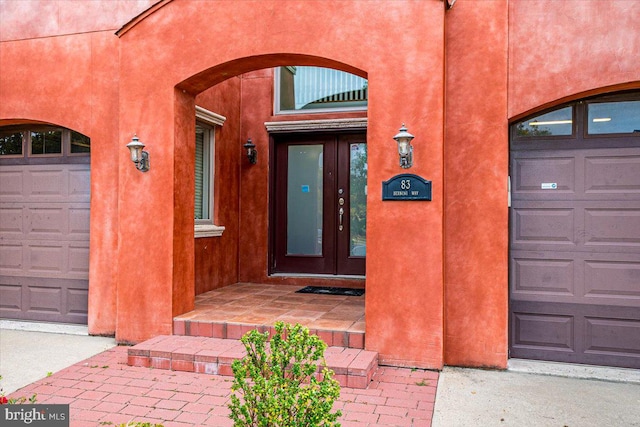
x,y
304,199
614,117
358,199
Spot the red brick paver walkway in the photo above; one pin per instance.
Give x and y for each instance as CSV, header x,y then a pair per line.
x,y
104,389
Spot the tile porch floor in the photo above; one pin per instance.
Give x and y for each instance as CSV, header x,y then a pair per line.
x,y
264,304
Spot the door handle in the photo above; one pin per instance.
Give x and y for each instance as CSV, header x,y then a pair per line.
x,y
340,215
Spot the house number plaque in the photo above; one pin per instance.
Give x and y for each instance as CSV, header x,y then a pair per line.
x,y
406,187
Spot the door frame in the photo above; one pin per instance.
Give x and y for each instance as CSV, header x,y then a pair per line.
x,y
330,198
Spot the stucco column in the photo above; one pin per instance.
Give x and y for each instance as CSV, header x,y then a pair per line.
x,y
404,238
154,261
476,169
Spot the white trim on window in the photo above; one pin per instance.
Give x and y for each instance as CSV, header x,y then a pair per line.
x,y
209,117
208,121
208,230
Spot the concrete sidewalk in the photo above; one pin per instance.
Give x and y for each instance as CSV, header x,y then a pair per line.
x,y
518,397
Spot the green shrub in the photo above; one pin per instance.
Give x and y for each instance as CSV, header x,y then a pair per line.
x,y
279,386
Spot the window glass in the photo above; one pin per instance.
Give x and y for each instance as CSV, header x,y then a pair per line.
x,y
10,143
203,174
358,199
614,117
304,199
80,143
46,142
554,123
313,88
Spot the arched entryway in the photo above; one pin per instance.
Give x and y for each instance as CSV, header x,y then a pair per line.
x,y
237,281
158,100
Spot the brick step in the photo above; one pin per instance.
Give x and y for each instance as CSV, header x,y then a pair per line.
x,y
235,330
353,368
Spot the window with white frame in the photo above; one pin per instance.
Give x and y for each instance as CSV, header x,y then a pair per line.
x,y
316,89
206,124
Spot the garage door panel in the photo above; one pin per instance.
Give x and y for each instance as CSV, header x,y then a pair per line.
x,y
576,333
585,278
543,331
582,226
612,175
44,299
10,297
12,183
78,222
63,183
10,257
534,278
79,182
11,222
51,182
46,257
616,279
620,337
532,176
553,226
78,261
612,227
77,301
47,221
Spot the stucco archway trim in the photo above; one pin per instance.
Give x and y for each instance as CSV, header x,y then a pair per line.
x,y
129,25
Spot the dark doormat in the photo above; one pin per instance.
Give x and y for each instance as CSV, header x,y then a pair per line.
x,y
325,290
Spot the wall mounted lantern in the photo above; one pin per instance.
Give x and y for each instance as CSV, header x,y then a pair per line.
x,y
405,149
252,153
138,155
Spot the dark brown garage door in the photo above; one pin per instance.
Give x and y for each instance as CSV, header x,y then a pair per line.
x,y
575,240
44,240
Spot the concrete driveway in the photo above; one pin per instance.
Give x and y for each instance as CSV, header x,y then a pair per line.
x,y
29,352
555,395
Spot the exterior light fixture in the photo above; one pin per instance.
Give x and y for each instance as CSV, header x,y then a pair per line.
x,y
252,153
405,149
138,155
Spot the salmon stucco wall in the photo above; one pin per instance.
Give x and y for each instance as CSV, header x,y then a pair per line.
x,y
75,85
160,68
476,170
257,106
216,258
560,51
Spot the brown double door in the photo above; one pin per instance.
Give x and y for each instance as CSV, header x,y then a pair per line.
x,y
319,211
